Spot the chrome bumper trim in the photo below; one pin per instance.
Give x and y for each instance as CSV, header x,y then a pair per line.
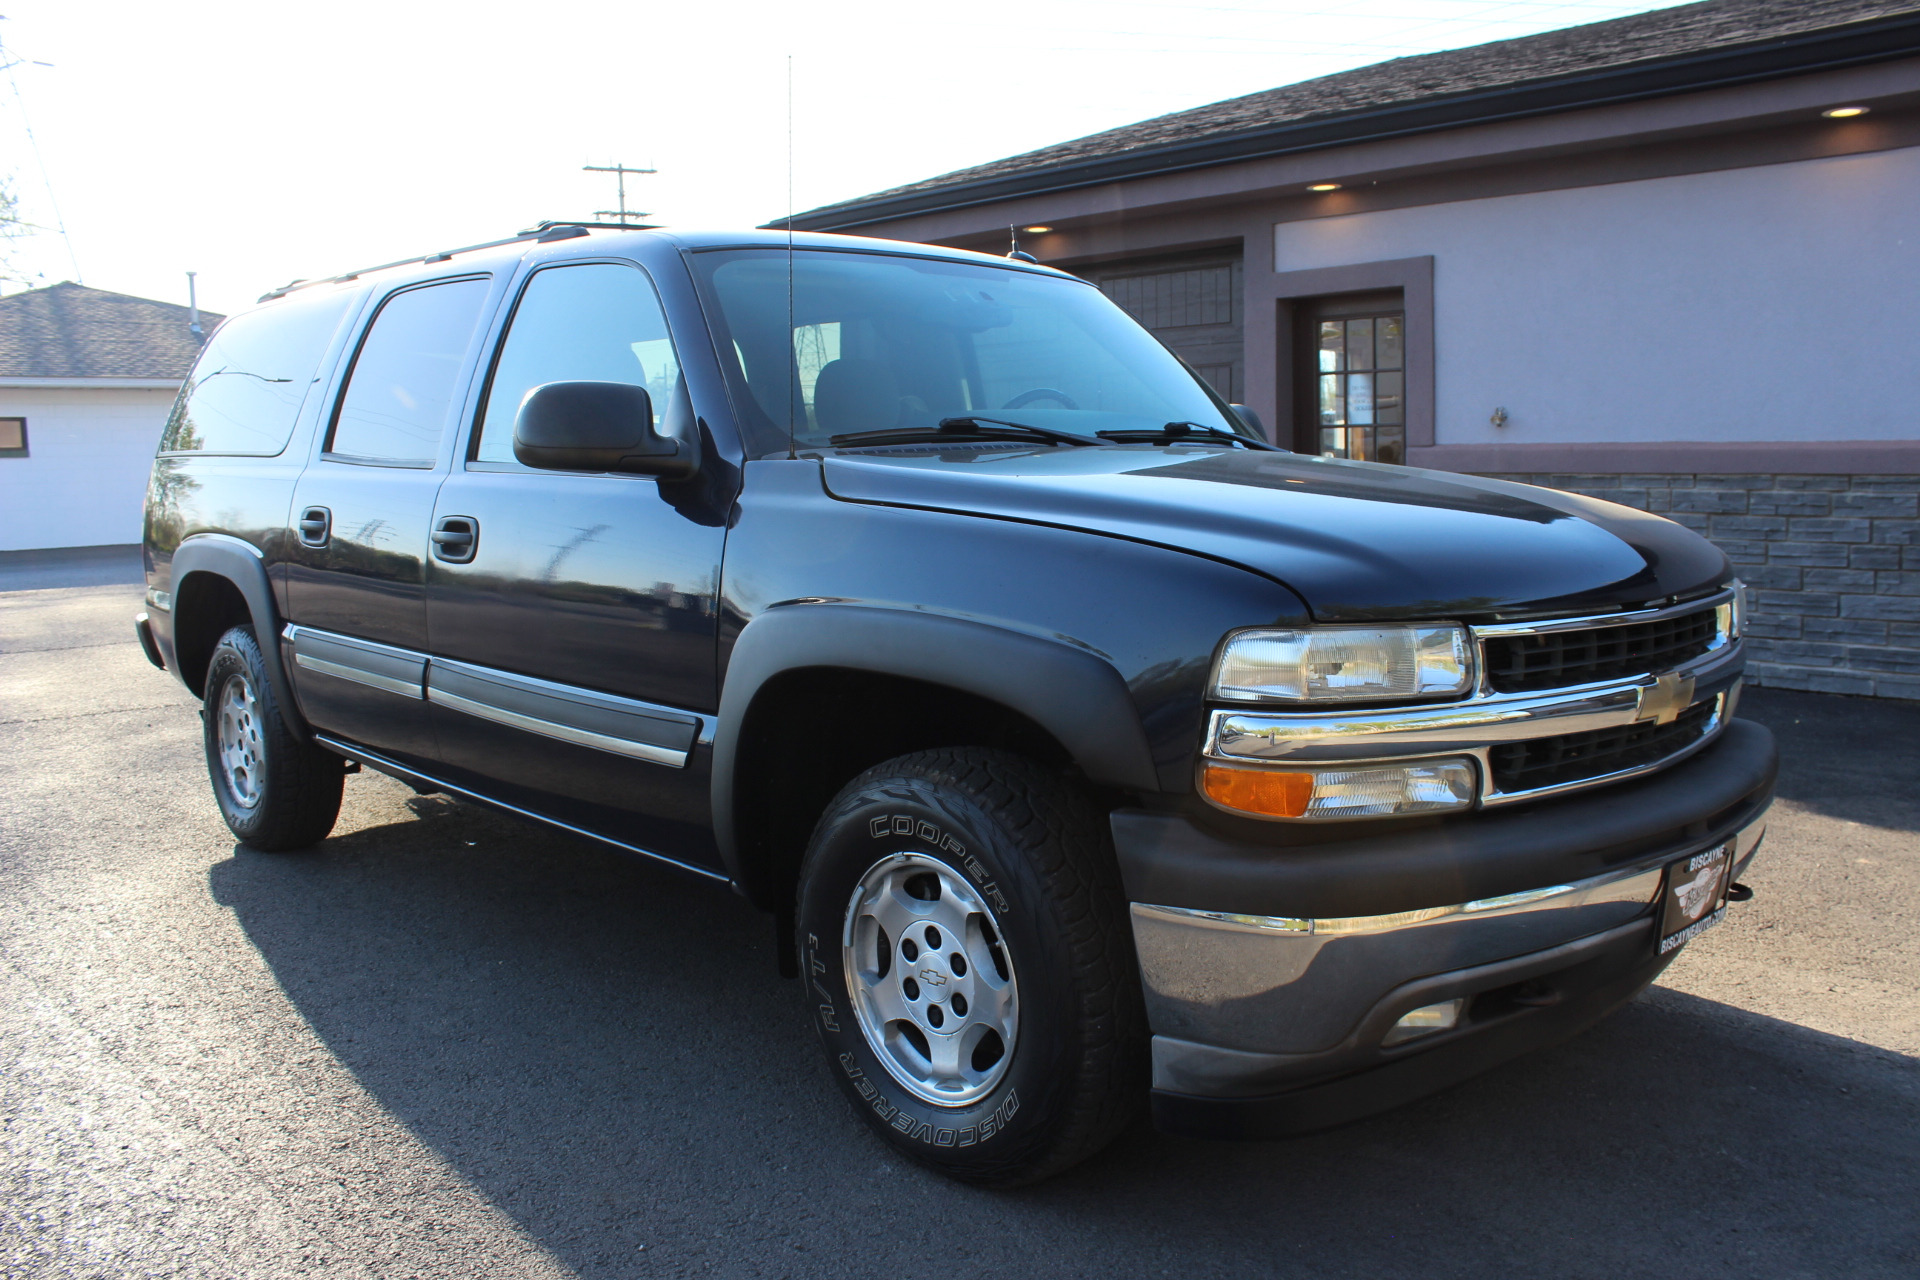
x,y
1226,985
1551,898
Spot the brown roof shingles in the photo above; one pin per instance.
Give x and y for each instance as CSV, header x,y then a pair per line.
x,y
71,331
1662,33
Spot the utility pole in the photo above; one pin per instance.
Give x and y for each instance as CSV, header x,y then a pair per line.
x,y
622,213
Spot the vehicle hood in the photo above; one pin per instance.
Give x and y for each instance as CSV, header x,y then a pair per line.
x,y
1355,540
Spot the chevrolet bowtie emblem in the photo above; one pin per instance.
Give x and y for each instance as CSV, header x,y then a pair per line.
x,y
1665,698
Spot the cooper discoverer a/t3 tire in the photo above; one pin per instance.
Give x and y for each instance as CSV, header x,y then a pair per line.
x,y
964,941
275,790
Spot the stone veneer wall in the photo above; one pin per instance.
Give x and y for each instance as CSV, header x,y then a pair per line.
x,y
1831,563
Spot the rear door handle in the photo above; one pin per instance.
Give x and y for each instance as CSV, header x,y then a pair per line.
x,y
316,525
456,538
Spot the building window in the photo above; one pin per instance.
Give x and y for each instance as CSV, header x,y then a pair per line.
x,y
1360,386
13,437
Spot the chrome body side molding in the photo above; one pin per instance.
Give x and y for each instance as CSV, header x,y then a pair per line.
x,y
584,717
378,666
623,726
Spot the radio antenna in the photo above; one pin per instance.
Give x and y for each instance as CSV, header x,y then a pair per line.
x,y
793,355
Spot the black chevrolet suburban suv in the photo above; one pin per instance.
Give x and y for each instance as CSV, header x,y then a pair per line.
x,y
1085,747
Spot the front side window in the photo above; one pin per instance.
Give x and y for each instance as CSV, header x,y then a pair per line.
x,y
592,322
245,391
13,437
876,342
405,377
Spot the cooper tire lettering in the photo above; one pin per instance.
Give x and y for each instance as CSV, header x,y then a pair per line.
x,y
1027,849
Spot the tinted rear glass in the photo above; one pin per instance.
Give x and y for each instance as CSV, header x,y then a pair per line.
x,y
245,391
395,405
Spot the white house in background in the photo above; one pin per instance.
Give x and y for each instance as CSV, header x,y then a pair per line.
x,y
86,380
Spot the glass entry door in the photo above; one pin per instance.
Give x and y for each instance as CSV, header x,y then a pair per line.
x,y
1355,378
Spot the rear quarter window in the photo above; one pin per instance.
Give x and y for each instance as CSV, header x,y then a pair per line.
x,y
245,391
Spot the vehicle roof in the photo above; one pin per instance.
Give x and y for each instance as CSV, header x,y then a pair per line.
x,y
613,239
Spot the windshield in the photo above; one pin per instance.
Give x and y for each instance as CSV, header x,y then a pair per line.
x,y
874,342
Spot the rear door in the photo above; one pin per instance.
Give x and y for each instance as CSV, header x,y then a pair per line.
x,y
356,571
572,616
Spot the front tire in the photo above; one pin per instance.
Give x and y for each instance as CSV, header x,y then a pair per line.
x,y
965,942
276,790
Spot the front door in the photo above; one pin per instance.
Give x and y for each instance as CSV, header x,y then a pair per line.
x,y
572,615
356,571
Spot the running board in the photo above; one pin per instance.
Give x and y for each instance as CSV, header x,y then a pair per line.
x,y
413,778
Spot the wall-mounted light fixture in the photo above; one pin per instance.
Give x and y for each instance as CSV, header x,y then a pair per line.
x,y
1499,418
1844,113
1324,186
1036,231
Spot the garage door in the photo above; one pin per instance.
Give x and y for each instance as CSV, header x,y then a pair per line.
x,y
1192,303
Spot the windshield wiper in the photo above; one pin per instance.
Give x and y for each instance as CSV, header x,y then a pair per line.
x,y
1177,432
967,428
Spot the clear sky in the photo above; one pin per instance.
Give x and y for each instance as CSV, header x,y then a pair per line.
x,y
257,142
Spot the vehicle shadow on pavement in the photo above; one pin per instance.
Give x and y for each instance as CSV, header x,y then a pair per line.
x,y
1848,758
605,1051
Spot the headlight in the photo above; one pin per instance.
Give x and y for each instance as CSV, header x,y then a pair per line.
x,y
1732,616
1347,791
1344,664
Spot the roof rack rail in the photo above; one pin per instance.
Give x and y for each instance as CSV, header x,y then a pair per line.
x,y
543,232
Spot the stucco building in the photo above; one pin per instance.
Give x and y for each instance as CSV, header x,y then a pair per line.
x,y
87,378
1671,260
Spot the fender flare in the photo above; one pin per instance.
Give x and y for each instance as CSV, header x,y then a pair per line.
x,y
242,564
1072,693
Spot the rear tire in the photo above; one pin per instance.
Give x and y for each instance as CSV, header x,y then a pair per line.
x,y
965,942
276,790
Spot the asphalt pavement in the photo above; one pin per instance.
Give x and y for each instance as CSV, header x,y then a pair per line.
x,y
447,1044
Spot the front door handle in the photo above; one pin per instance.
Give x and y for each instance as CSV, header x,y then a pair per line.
x,y
456,538
316,526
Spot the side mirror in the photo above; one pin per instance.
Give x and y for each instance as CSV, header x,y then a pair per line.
x,y
1252,419
597,426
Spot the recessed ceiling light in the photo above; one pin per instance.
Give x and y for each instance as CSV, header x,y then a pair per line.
x,y
1324,186
1844,113
1036,230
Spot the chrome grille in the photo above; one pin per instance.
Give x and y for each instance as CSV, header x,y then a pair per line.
x,y
1557,659
1578,757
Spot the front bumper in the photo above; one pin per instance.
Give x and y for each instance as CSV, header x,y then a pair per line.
x,y
1275,973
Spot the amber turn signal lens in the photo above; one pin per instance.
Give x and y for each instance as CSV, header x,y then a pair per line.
x,y
1268,791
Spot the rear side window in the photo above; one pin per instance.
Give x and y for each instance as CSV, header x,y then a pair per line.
x,y
246,388
394,409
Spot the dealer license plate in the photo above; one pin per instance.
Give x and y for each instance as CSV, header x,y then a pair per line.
x,y
1695,897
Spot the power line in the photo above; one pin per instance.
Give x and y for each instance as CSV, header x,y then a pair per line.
x,y
622,213
8,61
